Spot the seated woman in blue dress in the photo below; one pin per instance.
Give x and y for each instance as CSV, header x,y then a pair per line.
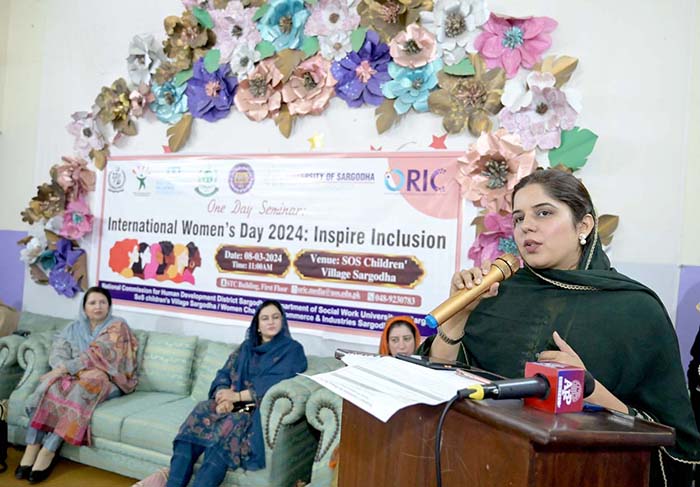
x,y
226,428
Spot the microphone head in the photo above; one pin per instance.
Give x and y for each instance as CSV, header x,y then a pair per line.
x,y
508,264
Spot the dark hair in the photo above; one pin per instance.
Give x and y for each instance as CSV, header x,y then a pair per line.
x,y
562,186
99,290
400,323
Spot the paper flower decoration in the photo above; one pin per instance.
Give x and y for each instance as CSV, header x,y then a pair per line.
x,y
210,95
234,27
414,47
335,46
468,102
509,43
492,167
411,87
310,87
495,240
389,17
140,99
62,276
145,57
49,201
170,101
331,17
360,74
87,135
454,23
115,107
540,123
206,4
259,96
74,177
283,23
77,220
243,60
36,244
187,41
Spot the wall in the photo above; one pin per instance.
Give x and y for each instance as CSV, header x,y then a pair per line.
x,y
636,91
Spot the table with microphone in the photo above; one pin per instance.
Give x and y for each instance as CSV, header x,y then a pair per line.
x,y
523,432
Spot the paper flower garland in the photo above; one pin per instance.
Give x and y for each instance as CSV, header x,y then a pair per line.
x,y
283,59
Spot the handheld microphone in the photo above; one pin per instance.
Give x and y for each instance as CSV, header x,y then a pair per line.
x,y
549,386
502,268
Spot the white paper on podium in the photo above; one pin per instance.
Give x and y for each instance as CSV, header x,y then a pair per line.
x,y
383,385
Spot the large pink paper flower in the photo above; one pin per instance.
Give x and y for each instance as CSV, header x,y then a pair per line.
x,y
74,177
509,43
259,96
414,47
492,167
310,87
77,220
540,123
495,240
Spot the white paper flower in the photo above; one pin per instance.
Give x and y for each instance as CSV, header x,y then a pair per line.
x,y
145,56
517,93
335,46
331,16
243,60
454,23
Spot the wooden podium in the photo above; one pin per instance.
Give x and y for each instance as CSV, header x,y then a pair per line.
x,y
497,444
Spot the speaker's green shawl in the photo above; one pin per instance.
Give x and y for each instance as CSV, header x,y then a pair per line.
x,y
620,330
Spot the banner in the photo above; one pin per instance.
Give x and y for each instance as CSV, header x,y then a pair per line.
x,y
341,240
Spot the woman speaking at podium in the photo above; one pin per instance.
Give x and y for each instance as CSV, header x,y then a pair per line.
x,y
568,305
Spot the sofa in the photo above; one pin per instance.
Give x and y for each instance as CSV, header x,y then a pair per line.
x,y
10,370
132,435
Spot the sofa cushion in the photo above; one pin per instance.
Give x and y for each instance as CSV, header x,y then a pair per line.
x,y
142,337
212,360
156,427
167,364
109,416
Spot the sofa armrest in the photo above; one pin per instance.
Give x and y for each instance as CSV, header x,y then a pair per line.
x,y
324,411
8,350
33,357
284,404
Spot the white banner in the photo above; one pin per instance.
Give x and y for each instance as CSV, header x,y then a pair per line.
x,y
342,240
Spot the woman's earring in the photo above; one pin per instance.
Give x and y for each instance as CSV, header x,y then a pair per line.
x,y
581,239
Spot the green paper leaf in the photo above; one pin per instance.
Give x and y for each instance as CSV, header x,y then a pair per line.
x,y
576,145
266,49
358,38
203,17
462,68
310,46
261,11
182,77
211,60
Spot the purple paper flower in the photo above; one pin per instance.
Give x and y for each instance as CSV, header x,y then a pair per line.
x,y
63,282
61,277
210,95
360,74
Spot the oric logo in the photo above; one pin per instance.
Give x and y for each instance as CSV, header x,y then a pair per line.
x,y
207,183
116,179
414,180
241,178
141,173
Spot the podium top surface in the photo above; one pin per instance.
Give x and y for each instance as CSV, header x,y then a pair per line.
x,y
581,429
